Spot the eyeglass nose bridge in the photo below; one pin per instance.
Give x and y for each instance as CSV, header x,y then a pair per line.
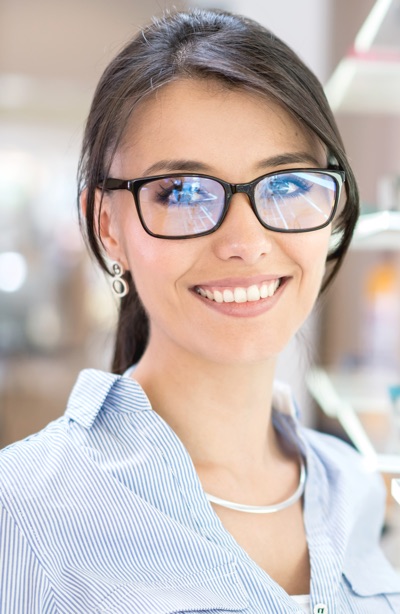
x,y
241,188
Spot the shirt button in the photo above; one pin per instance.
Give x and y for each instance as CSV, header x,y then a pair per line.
x,y
320,608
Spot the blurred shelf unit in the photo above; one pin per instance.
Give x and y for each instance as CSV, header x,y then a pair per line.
x,y
366,83
356,398
379,230
367,80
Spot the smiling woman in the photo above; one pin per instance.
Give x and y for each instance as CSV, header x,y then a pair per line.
x,y
233,254
212,177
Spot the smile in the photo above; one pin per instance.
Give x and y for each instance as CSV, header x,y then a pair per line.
x,y
241,295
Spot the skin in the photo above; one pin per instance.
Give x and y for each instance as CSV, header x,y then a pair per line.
x,y
209,372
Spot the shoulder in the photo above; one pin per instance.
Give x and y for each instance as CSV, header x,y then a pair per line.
x,y
348,488
45,442
344,464
31,468
31,473
338,455
33,462
332,460
73,453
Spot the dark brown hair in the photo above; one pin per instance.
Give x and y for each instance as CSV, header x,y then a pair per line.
x,y
205,44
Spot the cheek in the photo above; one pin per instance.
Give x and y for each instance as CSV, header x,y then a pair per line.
x,y
156,265
148,268
143,252
310,254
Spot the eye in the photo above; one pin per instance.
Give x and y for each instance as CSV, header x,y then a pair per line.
x,y
285,186
181,192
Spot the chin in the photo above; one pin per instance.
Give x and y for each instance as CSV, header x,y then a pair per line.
x,y
246,353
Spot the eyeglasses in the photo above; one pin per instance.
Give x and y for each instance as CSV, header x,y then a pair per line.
x,y
181,206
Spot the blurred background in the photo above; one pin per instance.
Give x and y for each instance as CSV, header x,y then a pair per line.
x,y
57,313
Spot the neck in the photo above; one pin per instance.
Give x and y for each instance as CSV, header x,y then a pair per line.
x,y
221,412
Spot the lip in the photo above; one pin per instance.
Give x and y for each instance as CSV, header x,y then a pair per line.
x,y
250,308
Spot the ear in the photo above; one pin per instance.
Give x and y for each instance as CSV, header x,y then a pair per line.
x,y
105,224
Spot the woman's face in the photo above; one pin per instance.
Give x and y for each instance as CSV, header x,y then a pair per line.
x,y
235,136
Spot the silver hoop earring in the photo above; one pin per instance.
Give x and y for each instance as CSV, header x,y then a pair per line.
x,y
119,285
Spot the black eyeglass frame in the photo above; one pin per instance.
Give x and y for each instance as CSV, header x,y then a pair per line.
x,y
134,185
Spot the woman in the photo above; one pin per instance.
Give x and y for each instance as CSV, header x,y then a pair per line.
x,y
213,178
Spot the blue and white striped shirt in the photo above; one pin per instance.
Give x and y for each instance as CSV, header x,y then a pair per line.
x,y
103,512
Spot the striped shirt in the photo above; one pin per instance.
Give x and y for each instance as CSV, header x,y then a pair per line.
x,y
103,512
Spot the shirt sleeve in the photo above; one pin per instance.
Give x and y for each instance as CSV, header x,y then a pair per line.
x,y
24,586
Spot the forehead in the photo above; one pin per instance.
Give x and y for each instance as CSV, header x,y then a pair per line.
x,y
206,121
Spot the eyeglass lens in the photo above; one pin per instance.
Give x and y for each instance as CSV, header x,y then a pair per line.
x,y
191,205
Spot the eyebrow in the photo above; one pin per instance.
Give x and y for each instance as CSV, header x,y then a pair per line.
x,y
193,166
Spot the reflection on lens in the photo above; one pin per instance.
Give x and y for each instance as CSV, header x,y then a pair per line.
x,y
296,200
181,206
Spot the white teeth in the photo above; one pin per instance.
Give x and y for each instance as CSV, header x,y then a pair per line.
x,y
253,293
228,296
218,298
241,295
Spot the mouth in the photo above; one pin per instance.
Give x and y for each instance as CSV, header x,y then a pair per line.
x,y
240,294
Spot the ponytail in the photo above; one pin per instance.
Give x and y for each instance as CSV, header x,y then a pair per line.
x,y
132,330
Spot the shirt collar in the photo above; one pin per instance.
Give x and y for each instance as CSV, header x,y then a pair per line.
x,y
88,395
93,388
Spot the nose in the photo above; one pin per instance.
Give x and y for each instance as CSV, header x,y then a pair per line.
x,y
241,235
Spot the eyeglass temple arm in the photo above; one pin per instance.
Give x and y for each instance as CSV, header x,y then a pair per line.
x,y
115,184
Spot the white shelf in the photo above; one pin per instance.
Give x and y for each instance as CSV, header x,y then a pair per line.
x,y
365,84
368,79
380,230
341,400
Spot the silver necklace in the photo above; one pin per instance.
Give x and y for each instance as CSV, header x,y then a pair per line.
x,y
264,509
